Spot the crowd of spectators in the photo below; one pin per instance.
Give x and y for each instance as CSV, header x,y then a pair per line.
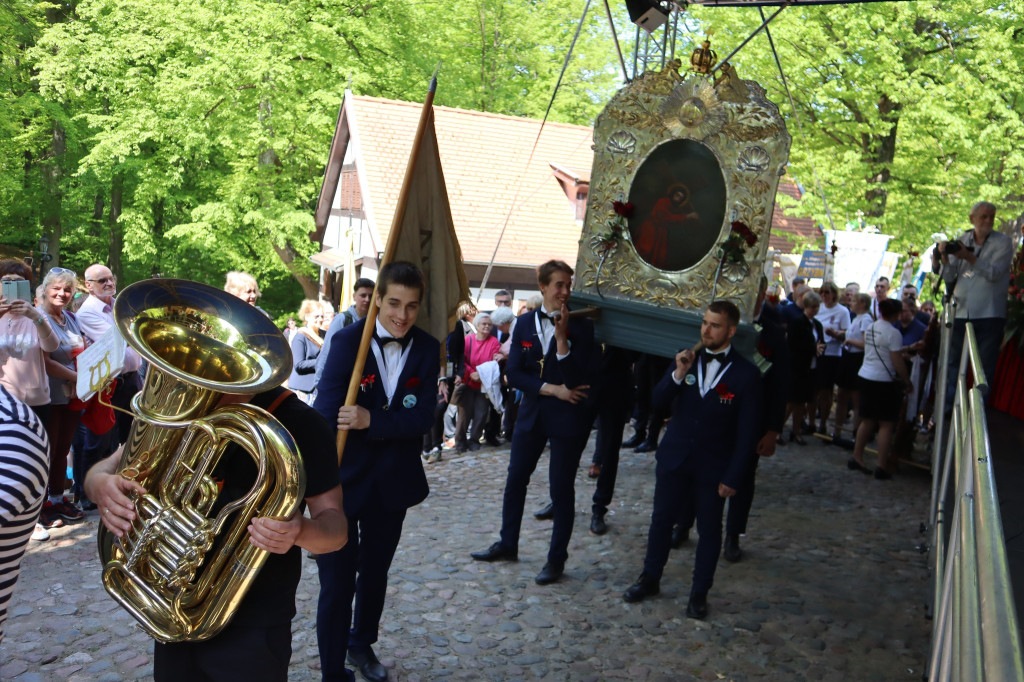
x,y
860,368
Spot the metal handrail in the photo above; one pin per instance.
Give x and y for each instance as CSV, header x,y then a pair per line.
x,y
975,634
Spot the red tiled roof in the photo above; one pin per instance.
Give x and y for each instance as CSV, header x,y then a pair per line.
x,y
484,157
789,234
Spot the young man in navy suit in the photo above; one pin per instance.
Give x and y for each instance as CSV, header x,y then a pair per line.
x,y
381,471
715,400
549,361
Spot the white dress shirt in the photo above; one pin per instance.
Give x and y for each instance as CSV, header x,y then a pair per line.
x,y
390,360
95,317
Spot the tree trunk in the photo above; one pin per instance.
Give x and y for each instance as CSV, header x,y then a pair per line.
x,y
116,236
53,174
268,158
158,237
310,287
97,215
883,152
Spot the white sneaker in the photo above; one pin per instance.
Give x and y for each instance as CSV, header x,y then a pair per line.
x,y
40,534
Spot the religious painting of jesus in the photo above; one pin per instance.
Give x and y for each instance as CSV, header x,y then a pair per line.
x,y
679,194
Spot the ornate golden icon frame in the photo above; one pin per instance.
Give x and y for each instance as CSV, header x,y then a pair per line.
x,y
747,135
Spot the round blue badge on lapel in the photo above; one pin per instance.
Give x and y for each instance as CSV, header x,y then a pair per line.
x,y
690,380
409,401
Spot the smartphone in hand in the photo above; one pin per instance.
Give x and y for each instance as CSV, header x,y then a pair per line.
x,y
16,289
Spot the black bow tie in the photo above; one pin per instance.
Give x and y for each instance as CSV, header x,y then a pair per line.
x,y
550,317
708,357
383,341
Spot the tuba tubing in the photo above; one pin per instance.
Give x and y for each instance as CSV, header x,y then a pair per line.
x,y
183,568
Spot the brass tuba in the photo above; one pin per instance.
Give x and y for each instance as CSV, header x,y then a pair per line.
x,y
184,567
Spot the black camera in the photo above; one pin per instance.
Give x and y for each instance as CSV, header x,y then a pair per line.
x,y
955,247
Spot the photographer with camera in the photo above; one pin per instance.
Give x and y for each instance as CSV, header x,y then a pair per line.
x,y
976,269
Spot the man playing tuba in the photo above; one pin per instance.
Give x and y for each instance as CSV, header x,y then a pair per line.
x,y
256,644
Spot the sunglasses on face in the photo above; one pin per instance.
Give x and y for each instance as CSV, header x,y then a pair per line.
x,y
103,280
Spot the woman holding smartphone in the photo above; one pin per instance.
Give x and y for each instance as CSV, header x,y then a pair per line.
x,y
25,338
58,289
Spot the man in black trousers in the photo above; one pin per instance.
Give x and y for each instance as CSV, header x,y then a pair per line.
x,y
715,400
381,471
773,361
549,361
614,399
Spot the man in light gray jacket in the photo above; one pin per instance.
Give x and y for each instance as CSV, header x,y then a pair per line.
x,y
976,268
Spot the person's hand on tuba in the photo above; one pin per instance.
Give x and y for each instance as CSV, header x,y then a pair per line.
x,y
274,535
111,493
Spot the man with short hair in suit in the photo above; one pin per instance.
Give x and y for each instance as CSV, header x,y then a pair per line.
x,y
715,400
361,294
381,471
549,361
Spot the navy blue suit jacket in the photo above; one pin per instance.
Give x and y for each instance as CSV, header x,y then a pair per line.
x,y
382,463
717,432
524,371
772,345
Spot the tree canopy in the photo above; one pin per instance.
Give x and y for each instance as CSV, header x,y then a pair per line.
x,y
188,138
911,112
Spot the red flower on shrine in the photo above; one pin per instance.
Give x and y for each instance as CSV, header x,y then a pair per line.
x,y
624,209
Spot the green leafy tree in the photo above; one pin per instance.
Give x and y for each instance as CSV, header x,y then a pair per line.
x,y
194,134
911,112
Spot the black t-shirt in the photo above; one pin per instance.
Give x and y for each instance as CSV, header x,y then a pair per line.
x,y
271,599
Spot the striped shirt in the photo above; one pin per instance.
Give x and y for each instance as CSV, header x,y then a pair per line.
x,y
24,467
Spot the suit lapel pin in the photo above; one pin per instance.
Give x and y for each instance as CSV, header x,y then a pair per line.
x,y
409,401
690,380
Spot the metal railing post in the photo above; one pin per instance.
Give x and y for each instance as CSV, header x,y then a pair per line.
x,y
975,634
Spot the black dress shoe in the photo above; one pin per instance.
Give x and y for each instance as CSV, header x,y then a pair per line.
x,y
844,443
550,573
492,441
363,658
854,465
643,587
799,440
881,474
497,552
638,437
647,446
731,549
545,513
697,607
597,524
680,536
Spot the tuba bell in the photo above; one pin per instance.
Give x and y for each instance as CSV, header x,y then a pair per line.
x,y
186,564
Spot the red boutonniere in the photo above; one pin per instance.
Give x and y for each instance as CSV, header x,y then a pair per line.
x,y
764,350
367,382
526,345
724,394
412,382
